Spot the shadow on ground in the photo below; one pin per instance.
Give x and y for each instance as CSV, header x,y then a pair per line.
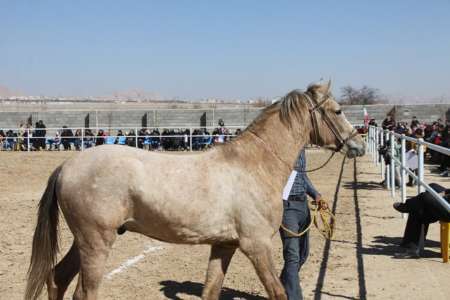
x,y
390,246
371,185
171,289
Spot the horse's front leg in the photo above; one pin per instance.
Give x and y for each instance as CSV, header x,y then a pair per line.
x,y
219,261
258,250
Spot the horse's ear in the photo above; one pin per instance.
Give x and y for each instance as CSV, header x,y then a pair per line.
x,y
329,86
320,88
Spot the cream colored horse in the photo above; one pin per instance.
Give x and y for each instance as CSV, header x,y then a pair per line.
x,y
230,197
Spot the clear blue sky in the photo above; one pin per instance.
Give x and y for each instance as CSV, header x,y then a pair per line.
x,y
225,49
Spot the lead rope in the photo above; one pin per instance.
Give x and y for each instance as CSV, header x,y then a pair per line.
x,y
284,162
327,218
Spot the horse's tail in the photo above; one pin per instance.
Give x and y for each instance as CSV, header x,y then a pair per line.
x,y
45,240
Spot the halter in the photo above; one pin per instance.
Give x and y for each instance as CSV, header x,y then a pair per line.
x,y
314,107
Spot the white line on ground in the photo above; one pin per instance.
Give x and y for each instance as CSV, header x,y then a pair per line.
x,y
132,261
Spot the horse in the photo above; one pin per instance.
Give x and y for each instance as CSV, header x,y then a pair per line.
x,y
230,199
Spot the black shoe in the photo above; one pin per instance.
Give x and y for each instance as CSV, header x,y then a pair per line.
x,y
409,253
401,207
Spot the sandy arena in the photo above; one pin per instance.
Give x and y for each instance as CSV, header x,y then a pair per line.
x,y
359,262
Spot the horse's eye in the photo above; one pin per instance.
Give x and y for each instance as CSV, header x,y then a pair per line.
x,y
338,112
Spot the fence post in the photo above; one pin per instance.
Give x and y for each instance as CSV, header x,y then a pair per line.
x,y
420,169
28,139
391,140
368,140
403,172
383,175
388,173
190,139
135,137
376,154
82,139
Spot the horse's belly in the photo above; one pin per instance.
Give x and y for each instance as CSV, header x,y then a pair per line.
x,y
180,224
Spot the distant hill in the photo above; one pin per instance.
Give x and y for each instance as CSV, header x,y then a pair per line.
x,y
6,92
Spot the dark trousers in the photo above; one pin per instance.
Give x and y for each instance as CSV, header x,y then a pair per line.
x,y
422,209
296,217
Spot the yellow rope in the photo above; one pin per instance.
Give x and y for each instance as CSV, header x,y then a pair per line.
x,y
323,212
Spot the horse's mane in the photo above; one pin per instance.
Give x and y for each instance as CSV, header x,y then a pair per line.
x,y
292,105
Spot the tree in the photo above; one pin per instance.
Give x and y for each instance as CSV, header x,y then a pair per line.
x,y
363,96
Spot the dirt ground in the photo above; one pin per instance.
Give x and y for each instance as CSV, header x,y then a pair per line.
x,y
360,262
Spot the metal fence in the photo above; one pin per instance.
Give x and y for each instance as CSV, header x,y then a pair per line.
x,y
377,137
189,138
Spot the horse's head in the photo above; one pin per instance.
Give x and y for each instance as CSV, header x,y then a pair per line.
x,y
329,125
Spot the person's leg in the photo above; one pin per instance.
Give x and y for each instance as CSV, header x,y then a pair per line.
x,y
412,231
304,239
289,275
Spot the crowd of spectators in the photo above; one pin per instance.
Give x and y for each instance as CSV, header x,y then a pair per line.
x,y
173,139
437,133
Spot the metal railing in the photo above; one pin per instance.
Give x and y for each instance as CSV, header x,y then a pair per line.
x,y
87,137
377,137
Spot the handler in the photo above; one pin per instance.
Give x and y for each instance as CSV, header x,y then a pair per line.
x,y
296,218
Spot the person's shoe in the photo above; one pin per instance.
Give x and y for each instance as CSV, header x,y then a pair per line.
x,y
401,207
444,174
412,251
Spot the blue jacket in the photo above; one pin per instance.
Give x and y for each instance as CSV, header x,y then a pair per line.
x,y
302,185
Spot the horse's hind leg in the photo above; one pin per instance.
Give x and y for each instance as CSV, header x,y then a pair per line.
x,y
94,250
260,254
63,274
219,261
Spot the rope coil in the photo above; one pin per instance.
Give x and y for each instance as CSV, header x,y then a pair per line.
x,y
320,214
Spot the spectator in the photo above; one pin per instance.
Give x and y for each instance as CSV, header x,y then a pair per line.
x,y
40,133
423,209
27,135
100,139
2,139
77,139
155,140
131,138
445,159
373,122
89,138
119,134
388,123
141,137
414,123
66,138
20,134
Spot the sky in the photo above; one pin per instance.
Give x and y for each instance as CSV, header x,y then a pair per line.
x,y
224,49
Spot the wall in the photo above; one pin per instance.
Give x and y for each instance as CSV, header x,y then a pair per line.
x,y
142,116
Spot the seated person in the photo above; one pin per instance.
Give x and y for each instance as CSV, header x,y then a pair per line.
x,y
422,209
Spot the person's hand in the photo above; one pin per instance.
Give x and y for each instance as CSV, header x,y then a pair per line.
x,y
321,204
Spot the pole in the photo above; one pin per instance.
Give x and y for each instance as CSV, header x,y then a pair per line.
x,y
392,164
420,169
403,172
383,175
135,137
28,139
82,139
190,139
375,152
388,173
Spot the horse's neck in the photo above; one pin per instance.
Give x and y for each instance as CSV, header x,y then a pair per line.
x,y
272,146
